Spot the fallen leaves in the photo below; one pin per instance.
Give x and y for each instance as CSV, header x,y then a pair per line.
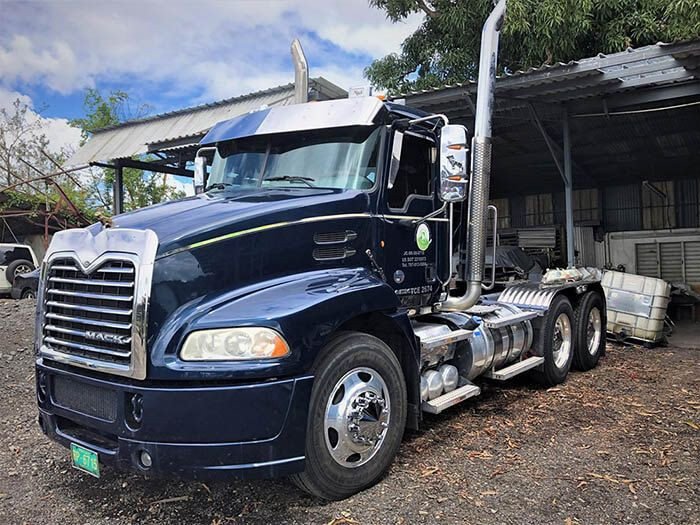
x,y
343,520
429,471
692,424
170,500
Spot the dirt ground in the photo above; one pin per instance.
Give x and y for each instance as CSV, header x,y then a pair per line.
x,y
619,444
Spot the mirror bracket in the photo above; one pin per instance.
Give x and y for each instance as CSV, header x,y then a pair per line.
x,y
200,168
435,213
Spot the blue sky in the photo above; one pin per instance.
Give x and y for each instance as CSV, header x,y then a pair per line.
x,y
177,54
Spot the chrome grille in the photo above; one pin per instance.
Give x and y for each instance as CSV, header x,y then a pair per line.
x,y
90,315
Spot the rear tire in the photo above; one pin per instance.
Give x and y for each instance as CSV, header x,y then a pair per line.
x,y
590,323
16,268
555,339
357,416
28,293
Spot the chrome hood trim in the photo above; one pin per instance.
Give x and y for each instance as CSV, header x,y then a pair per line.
x,y
90,250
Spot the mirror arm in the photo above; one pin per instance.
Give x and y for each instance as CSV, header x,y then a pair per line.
x,y
430,215
200,169
437,117
205,149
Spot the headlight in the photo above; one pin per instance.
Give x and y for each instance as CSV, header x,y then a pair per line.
x,y
233,344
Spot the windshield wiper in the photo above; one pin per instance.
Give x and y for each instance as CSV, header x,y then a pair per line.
x,y
294,178
219,186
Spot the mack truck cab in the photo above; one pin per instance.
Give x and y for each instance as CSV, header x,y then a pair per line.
x,y
305,308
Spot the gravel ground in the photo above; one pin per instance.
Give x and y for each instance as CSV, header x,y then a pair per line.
x,y
619,444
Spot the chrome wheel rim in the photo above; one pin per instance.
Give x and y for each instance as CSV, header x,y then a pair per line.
x,y
357,417
561,340
594,330
30,295
22,268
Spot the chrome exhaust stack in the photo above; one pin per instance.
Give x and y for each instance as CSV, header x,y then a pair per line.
x,y
301,73
480,162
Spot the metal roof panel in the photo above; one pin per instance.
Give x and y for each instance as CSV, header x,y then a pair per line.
x,y
133,138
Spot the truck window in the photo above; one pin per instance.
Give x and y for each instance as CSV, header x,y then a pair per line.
x,y
415,171
14,253
343,158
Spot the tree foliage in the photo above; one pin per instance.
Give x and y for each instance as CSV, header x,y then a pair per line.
x,y
445,48
140,188
25,156
22,138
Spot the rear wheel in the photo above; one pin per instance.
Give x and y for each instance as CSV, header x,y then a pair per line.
x,y
357,417
16,268
589,320
28,293
555,339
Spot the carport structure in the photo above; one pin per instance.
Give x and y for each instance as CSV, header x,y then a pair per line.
x,y
600,129
170,140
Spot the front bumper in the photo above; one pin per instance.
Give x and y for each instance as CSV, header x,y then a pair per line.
x,y
198,431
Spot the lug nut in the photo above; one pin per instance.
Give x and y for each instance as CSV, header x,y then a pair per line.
x,y
145,459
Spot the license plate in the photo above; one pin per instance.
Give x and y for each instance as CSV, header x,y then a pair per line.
x,y
85,460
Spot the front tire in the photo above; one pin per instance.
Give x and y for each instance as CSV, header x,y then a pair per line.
x,y
357,417
555,339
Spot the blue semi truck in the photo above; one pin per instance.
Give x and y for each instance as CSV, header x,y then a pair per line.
x,y
296,316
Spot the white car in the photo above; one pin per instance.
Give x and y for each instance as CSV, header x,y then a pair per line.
x,y
15,259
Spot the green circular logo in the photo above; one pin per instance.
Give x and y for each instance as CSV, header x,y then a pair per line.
x,y
423,238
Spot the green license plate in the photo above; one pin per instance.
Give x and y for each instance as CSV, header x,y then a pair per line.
x,y
85,460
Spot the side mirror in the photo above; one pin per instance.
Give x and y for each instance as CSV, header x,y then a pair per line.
x,y
200,172
453,163
396,146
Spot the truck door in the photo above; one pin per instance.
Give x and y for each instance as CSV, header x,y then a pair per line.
x,y
413,258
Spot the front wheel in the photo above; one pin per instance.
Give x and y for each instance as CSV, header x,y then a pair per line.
x,y
357,417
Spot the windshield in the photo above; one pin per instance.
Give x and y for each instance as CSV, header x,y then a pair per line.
x,y
339,158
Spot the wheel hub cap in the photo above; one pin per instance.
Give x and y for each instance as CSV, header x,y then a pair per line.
x,y
561,344
367,419
594,330
23,268
357,416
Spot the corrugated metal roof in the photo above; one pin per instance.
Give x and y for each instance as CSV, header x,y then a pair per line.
x,y
657,64
141,136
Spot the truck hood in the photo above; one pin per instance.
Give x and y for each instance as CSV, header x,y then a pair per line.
x,y
183,222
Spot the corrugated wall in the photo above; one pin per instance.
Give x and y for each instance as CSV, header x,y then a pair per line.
x,y
584,245
621,208
630,207
687,203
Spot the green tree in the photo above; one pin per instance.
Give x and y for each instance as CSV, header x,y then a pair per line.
x,y
445,48
25,155
141,188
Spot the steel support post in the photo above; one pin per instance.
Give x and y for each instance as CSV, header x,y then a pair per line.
x,y
118,190
568,192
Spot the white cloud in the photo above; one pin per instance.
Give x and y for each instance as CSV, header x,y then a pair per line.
x,y
358,28
219,49
61,135
56,65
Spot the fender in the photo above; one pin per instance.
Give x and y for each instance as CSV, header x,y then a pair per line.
x,y
305,308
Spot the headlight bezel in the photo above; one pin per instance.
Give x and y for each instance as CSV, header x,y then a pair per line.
x,y
218,345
